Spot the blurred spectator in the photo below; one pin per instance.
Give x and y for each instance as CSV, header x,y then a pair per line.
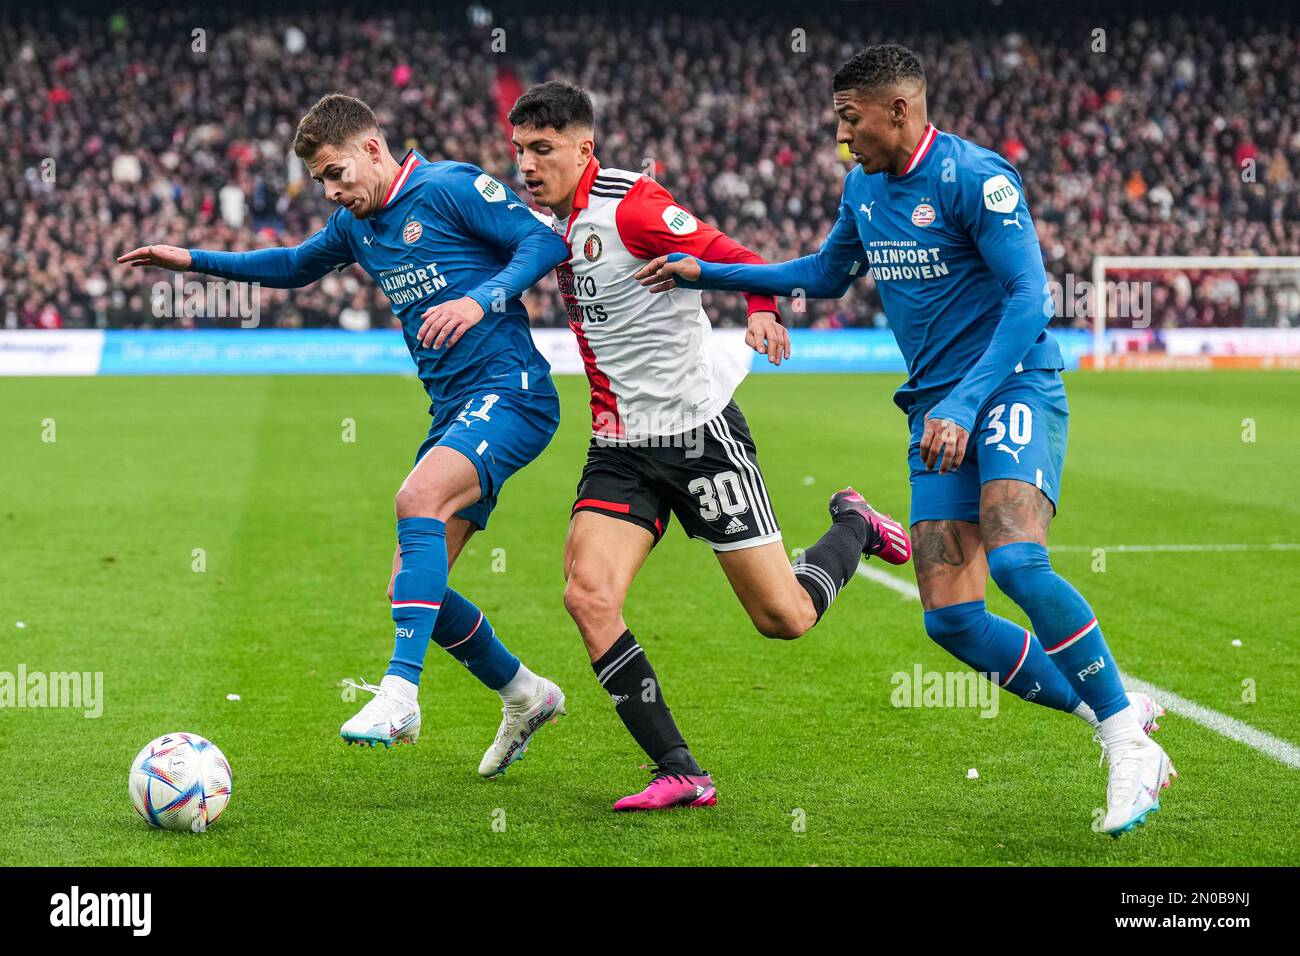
x,y
1180,139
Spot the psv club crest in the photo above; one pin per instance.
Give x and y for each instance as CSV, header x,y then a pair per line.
x,y
923,214
592,248
412,232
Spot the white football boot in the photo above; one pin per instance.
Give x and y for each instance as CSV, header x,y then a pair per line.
x,y
518,724
1138,772
389,718
1148,711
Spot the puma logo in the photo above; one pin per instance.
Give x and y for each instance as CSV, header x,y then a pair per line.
x,y
867,209
1013,452
1013,222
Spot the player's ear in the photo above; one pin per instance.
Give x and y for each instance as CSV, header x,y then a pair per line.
x,y
898,110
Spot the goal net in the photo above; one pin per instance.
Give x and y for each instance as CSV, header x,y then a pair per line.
x,y
1193,312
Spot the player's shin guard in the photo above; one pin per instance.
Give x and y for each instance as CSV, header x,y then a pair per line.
x,y
830,563
626,674
417,592
1064,622
464,632
1002,650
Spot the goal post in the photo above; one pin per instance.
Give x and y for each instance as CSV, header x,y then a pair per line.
x,y
1266,298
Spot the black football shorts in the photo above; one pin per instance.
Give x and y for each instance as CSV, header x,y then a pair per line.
x,y
709,477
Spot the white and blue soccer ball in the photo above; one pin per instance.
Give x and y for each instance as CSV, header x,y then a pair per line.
x,y
181,782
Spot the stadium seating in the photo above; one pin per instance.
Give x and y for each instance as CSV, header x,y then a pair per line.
x,y
1181,138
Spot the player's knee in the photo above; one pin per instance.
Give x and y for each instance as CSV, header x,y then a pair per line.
x,y
415,500
1016,568
956,625
588,603
784,622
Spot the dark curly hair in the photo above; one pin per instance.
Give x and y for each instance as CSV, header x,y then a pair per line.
x,y
877,67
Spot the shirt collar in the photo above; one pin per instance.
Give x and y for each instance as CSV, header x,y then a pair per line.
x,y
581,198
921,151
411,160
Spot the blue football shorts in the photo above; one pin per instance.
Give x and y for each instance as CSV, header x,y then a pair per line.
x,y
1019,433
500,430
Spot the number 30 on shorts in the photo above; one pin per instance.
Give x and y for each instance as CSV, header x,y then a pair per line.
x,y
1019,426
720,495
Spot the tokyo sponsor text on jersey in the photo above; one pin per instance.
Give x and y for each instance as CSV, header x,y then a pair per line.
x,y
653,367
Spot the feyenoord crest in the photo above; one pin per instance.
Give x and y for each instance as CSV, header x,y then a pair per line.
x,y
923,214
592,248
412,232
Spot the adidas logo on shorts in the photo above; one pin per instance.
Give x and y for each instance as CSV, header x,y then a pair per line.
x,y
735,526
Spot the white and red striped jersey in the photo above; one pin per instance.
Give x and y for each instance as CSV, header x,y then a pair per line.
x,y
649,357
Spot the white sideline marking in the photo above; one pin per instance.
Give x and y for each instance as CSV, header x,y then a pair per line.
x,y
1280,750
905,588
1148,548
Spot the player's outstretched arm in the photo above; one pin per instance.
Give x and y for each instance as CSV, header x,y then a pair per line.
x,y
651,224
164,257
827,274
279,268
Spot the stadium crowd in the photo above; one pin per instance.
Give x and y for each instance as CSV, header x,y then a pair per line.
x,y
1181,136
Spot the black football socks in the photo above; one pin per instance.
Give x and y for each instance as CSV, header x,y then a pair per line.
x,y
626,674
831,562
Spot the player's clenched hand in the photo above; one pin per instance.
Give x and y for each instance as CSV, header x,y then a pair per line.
x,y
943,442
767,335
447,322
661,275
168,257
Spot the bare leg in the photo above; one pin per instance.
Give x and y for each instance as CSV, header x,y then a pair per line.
x,y
769,591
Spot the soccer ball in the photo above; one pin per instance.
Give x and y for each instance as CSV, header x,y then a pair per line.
x,y
180,782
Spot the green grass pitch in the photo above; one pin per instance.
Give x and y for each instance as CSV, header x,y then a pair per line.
x,y
98,531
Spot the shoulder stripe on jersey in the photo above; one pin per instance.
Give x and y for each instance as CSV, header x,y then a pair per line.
x,y
617,183
609,193
617,174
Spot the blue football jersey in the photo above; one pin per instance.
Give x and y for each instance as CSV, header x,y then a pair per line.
x,y
953,251
925,237
445,230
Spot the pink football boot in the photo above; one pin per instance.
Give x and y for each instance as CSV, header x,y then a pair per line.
x,y
668,790
887,538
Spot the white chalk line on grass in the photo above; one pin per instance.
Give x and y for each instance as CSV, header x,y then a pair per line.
x,y
1280,750
1153,548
